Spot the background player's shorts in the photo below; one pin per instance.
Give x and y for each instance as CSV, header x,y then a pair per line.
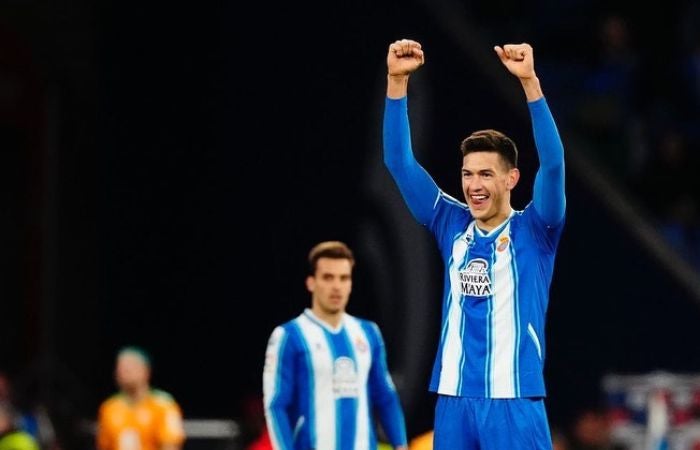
x,y
469,423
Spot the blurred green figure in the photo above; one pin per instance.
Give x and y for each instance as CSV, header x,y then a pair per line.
x,y
11,436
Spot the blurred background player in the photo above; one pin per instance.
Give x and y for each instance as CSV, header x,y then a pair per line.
x,y
12,437
138,416
325,373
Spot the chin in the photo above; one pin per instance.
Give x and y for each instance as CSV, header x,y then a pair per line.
x,y
477,214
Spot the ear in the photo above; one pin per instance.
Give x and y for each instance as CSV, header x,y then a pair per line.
x,y
513,178
310,283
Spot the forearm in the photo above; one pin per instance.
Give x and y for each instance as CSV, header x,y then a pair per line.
x,y
393,422
531,87
396,86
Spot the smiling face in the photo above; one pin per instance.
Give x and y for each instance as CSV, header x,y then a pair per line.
x,y
486,184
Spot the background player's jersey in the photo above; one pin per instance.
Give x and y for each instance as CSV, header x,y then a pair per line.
x,y
145,425
496,284
322,386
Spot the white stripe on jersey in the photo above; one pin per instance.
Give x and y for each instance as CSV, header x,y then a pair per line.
x,y
272,355
503,324
453,351
322,383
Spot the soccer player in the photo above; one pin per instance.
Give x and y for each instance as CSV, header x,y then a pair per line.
x,y
488,370
325,374
138,417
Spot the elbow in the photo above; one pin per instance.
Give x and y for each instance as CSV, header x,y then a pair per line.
x,y
392,164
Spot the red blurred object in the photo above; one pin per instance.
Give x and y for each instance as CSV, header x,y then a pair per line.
x,y
262,442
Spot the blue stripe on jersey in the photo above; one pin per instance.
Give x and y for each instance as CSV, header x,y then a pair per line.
x,y
278,387
311,382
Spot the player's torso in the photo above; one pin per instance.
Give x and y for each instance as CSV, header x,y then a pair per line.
x,y
133,426
493,312
334,367
339,360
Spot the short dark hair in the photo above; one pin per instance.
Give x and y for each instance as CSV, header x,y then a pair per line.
x,y
491,141
137,351
329,249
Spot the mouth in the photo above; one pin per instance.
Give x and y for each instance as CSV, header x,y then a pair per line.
x,y
478,200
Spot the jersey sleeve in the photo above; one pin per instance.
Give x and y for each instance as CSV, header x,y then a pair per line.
x,y
171,429
417,187
102,439
549,197
384,397
278,385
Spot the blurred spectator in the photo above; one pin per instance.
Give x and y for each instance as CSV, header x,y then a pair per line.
x,y
559,440
138,417
591,431
668,186
690,61
423,441
11,436
606,107
33,419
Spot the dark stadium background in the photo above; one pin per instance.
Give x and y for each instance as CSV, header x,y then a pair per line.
x,y
165,169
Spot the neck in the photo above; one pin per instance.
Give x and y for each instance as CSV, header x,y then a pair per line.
x,y
332,318
136,394
494,221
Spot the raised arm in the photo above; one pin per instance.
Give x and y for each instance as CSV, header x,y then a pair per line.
x,y
549,197
417,187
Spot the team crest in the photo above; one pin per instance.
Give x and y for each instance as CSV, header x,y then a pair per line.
x,y
361,345
503,242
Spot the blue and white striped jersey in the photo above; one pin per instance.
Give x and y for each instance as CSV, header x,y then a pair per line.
x,y
496,284
322,386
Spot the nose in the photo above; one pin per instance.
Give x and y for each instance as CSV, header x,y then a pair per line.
x,y
475,183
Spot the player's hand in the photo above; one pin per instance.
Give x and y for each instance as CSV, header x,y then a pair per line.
x,y
518,59
404,57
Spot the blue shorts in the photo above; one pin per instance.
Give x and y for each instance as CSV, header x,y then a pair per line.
x,y
470,423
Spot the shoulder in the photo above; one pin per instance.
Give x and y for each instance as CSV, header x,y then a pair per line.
x,y
370,327
288,326
112,401
285,336
162,397
532,218
359,320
